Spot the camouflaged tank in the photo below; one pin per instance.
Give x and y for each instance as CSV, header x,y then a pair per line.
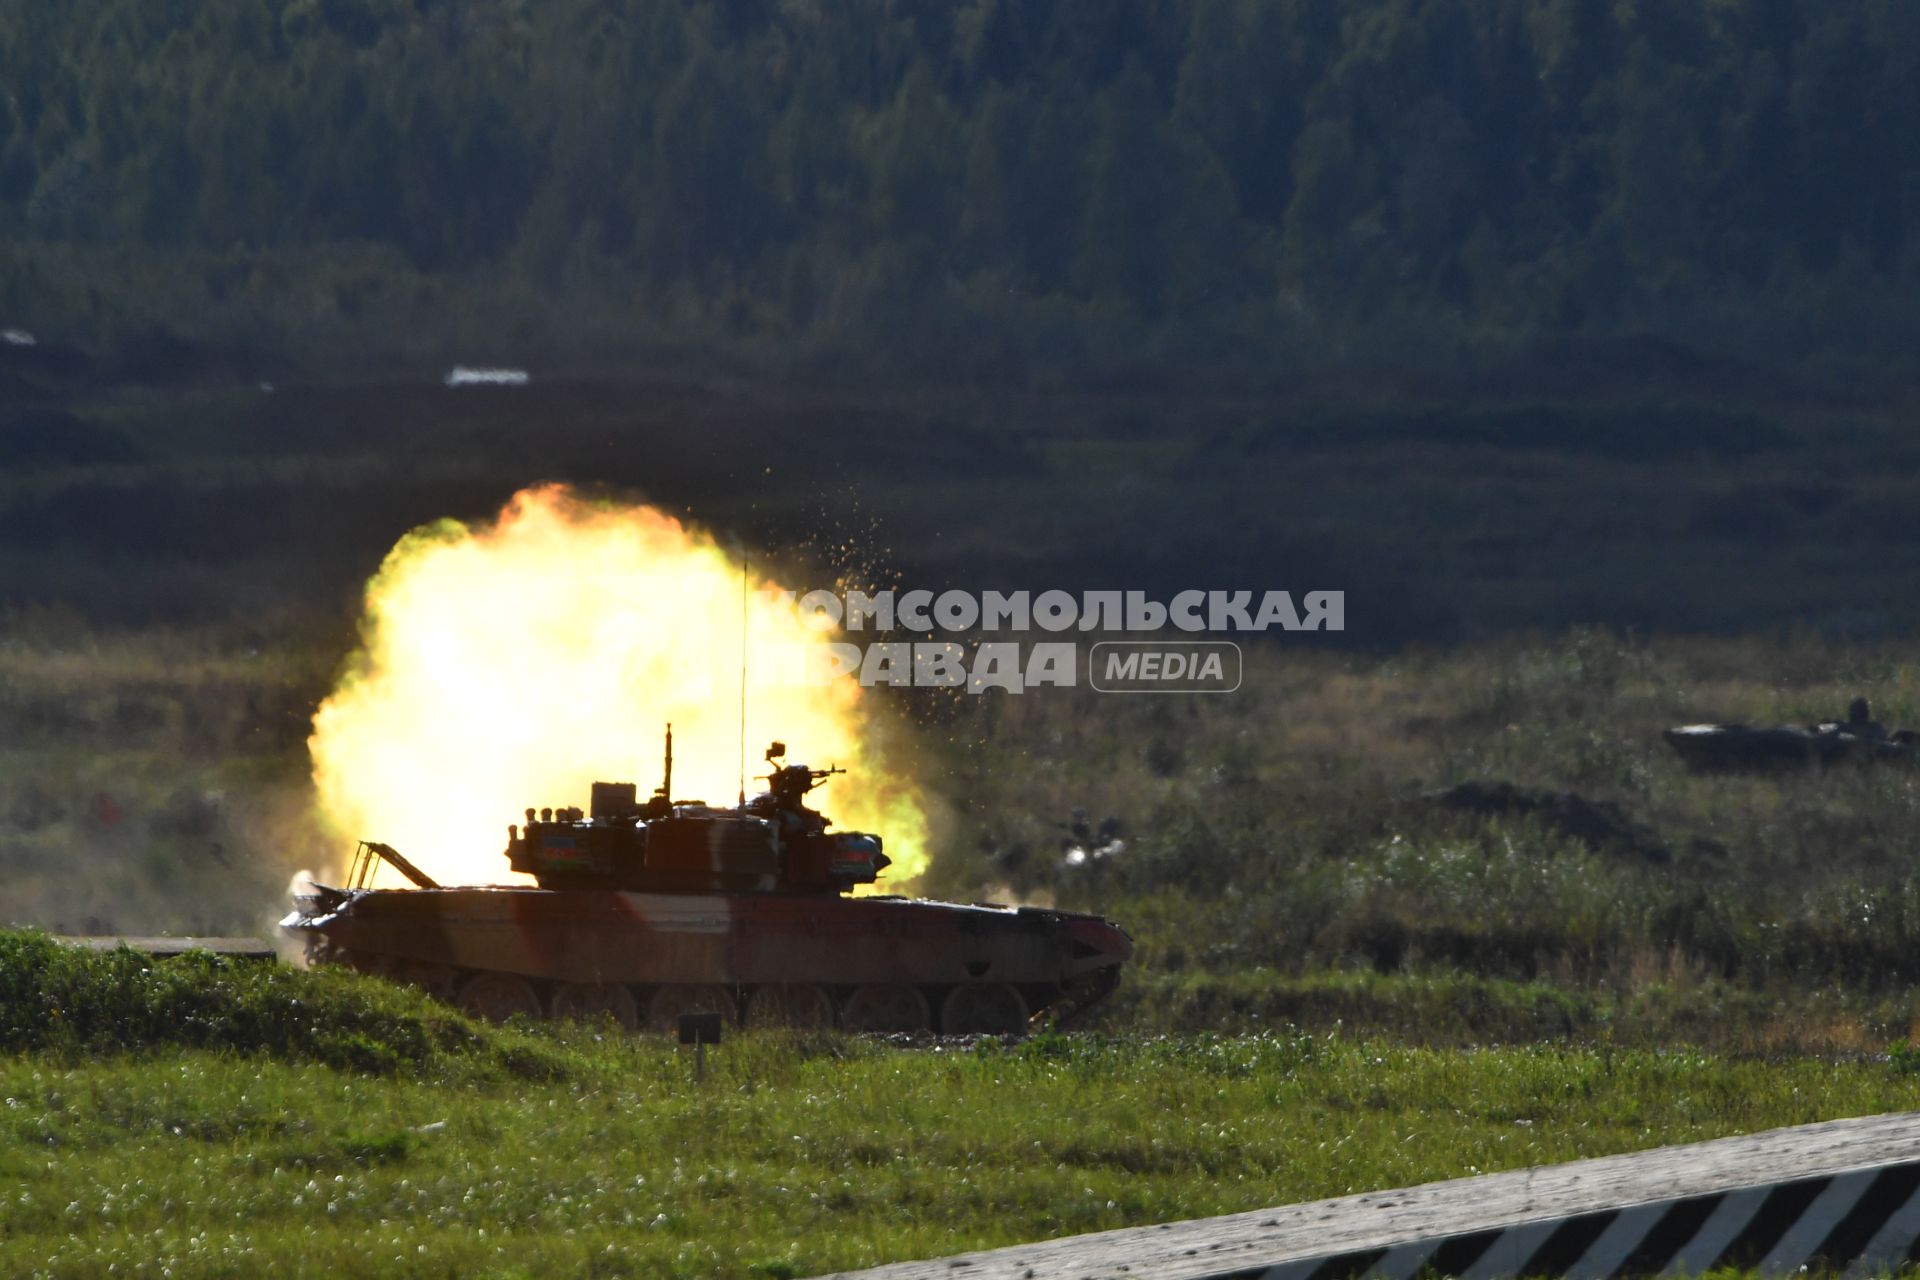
x,y
649,911
1730,748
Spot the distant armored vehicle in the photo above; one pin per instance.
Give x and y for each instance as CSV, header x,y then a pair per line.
x,y
1738,747
648,911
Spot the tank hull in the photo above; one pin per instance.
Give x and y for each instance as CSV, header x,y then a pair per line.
x,y
646,944
1733,748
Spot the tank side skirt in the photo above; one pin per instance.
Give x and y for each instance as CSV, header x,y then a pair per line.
x,y
740,941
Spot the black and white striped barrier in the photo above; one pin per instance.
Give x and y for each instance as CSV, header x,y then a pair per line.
x,y
1842,1196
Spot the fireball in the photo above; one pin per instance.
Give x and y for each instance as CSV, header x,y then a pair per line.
x,y
514,664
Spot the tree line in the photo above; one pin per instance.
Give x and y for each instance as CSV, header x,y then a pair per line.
x,y
1009,184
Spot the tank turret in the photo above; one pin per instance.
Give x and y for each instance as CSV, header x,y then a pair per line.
x,y
772,843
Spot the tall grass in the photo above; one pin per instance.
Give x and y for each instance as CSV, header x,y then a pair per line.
x,y
1290,829
153,780
1282,835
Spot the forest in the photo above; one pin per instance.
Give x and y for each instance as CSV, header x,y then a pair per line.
x,y
1003,191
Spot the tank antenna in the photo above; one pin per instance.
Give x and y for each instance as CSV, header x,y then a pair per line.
x,y
666,781
745,569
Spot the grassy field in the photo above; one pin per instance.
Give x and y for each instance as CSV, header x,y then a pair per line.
x,y
181,1124
153,780
1409,990
176,595
1285,854
1279,855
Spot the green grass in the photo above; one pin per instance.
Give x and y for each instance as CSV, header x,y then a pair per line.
x,y
198,1117
73,1003
1283,859
800,1155
1450,1008
1282,870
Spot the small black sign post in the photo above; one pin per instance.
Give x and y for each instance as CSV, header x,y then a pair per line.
x,y
699,1030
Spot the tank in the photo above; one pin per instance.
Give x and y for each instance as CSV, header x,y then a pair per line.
x,y
1728,748
646,911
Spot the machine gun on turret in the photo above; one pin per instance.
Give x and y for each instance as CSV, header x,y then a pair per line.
x,y
784,800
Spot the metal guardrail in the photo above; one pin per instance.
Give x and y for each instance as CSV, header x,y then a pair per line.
x,y
1843,1195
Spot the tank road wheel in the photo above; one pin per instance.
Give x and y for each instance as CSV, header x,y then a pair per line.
x,y
498,996
803,1007
984,1009
886,1007
585,1001
670,1002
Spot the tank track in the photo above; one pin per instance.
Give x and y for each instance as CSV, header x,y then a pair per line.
x,y
984,1008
